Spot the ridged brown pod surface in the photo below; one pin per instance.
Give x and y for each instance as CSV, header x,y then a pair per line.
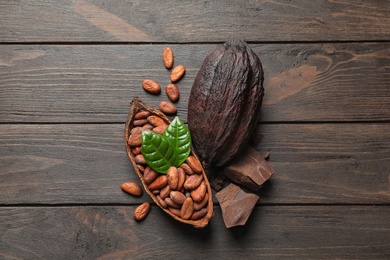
x,y
224,103
160,186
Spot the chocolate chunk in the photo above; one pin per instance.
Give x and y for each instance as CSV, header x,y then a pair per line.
x,y
250,169
236,205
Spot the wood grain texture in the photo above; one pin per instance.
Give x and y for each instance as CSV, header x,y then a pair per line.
x,y
87,163
303,82
312,232
193,21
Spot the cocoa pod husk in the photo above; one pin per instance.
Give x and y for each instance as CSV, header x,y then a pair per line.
x,y
137,106
224,103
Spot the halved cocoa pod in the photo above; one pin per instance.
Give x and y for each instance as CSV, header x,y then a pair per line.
x,y
137,106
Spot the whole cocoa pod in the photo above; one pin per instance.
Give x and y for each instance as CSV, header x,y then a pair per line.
x,y
224,103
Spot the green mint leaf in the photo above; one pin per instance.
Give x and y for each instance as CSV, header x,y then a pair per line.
x,y
179,136
157,151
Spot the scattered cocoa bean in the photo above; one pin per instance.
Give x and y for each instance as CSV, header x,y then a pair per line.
x,y
167,57
187,208
131,188
177,73
141,211
151,86
167,108
172,92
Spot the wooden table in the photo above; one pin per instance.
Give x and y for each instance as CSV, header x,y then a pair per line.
x,y
68,70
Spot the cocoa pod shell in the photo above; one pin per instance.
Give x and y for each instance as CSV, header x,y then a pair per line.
x,y
224,103
137,106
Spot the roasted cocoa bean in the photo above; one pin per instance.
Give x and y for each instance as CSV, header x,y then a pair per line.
x,y
187,209
177,197
141,211
172,92
150,175
151,86
198,194
199,214
131,188
192,182
194,164
159,183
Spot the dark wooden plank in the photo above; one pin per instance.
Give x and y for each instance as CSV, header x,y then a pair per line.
x,y
193,21
294,232
303,82
314,163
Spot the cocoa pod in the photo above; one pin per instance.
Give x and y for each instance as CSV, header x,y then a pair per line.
x,y
156,184
226,94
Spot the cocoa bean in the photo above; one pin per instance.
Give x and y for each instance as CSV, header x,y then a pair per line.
x,y
199,205
172,92
177,197
187,169
187,208
140,122
167,108
150,175
141,211
147,127
151,86
165,192
161,202
140,168
160,129
182,178
167,57
140,159
173,177
131,188
142,115
174,211
198,194
155,121
159,183
171,203
137,150
199,214
177,73
193,181
194,164
135,138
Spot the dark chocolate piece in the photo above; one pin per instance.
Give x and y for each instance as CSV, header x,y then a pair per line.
x,y
236,205
250,169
